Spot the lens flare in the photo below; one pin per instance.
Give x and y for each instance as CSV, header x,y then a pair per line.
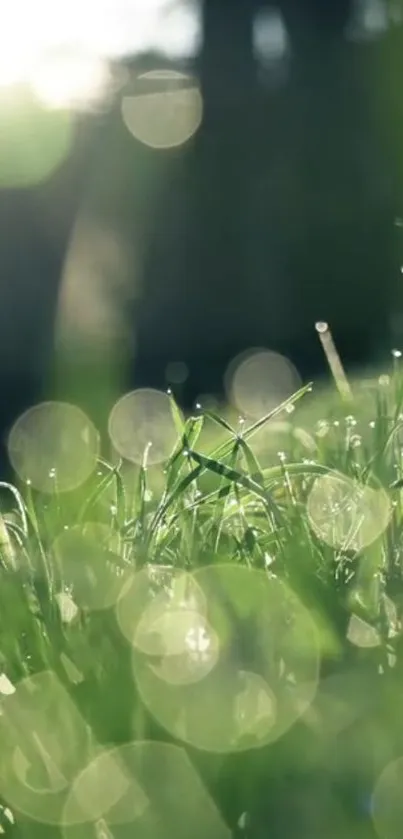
x,y
258,381
144,789
44,743
265,670
165,110
53,446
347,514
88,563
141,425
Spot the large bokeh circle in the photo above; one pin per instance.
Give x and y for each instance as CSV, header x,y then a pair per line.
x,y
264,665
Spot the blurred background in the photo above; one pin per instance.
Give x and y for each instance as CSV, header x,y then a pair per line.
x,y
182,181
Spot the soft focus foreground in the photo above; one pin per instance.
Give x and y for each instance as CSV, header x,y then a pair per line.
x,y
204,637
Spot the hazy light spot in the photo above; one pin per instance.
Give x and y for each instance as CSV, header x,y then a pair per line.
x,y
106,29
369,20
257,381
270,38
45,743
105,785
171,632
88,563
98,285
142,420
165,110
6,687
387,801
34,142
143,789
255,707
72,672
54,446
68,609
70,79
362,634
347,514
177,372
265,674
156,599
190,646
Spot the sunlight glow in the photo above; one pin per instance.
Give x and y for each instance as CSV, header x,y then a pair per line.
x,y
69,79
82,35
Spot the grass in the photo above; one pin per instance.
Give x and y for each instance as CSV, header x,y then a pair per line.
x,y
243,496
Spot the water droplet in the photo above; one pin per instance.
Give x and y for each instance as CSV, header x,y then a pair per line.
x,y
336,423
350,421
372,424
198,406
397,353
169,391
321,326
290,409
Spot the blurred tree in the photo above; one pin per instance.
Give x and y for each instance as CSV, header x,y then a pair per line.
x,y
282,208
